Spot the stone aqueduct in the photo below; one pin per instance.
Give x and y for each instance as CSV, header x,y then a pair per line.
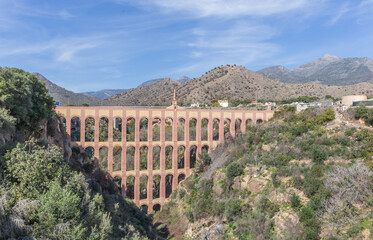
x,y
162,148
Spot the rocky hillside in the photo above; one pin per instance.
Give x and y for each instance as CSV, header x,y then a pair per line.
x,y
65,97
230,82
328,70
300,176
145,95
103,94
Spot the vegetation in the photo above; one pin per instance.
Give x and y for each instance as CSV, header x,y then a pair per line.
x,y
25,97
285,169
42,194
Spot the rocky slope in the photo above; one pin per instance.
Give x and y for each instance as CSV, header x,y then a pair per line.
x,y
103,94
230,82
64,96
145,95
287,179
328,70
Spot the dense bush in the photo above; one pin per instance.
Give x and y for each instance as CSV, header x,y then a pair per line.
x,y
25,97
234,169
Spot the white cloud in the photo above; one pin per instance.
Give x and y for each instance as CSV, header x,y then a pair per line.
x,y
227,8
341,11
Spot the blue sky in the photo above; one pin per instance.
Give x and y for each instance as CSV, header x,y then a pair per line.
x,y
98,44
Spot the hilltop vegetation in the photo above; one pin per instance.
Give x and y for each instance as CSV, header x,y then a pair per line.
x,y
47,192
296,177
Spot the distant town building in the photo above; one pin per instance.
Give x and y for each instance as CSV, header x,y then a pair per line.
x,y
349,100
223,103
368,103
194,105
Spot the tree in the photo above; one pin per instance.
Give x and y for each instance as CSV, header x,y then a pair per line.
x,y
32,167
25,97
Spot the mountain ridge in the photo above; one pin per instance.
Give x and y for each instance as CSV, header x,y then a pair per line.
x,y
64,96
327,70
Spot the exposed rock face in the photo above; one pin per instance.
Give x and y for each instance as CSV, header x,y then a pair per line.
x,y
54,132
287,225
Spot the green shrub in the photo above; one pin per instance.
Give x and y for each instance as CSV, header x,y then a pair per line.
x,y
312,186
319,155
234,169
268,207
295,202
232,209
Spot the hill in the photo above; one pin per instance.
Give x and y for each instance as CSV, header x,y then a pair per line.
x,y
328,70
144,95
300,176
232,83
103,94
65,97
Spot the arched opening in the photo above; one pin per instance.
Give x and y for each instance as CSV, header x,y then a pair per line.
x,y
168,163
193,129
205,148
169,178
117,129
180,129
89,129
143,158
215,129
102,159
143,187
130,158
118,183
204,129
168,129
130,187
181,177
249,123
75,129
156,186
227,127
237,126
156,129
156,207
259,121
144,208
156,157
130,130
193,156
117,158
143,129
103,129
180,157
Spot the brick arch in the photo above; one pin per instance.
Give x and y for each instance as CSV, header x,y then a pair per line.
x,y
156,117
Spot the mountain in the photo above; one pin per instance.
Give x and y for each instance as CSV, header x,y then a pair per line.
x,y
182,79
327,70
65,97
149,82
145,95
232,83
103,94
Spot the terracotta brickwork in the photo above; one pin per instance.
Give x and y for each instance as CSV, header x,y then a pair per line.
x,y
227,121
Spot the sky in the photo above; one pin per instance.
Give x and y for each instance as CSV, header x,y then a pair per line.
x,y
89,45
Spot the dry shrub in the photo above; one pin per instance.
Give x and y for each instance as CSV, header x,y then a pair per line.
x,y
349,187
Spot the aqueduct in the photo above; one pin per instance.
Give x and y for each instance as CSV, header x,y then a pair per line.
x,y
149,150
